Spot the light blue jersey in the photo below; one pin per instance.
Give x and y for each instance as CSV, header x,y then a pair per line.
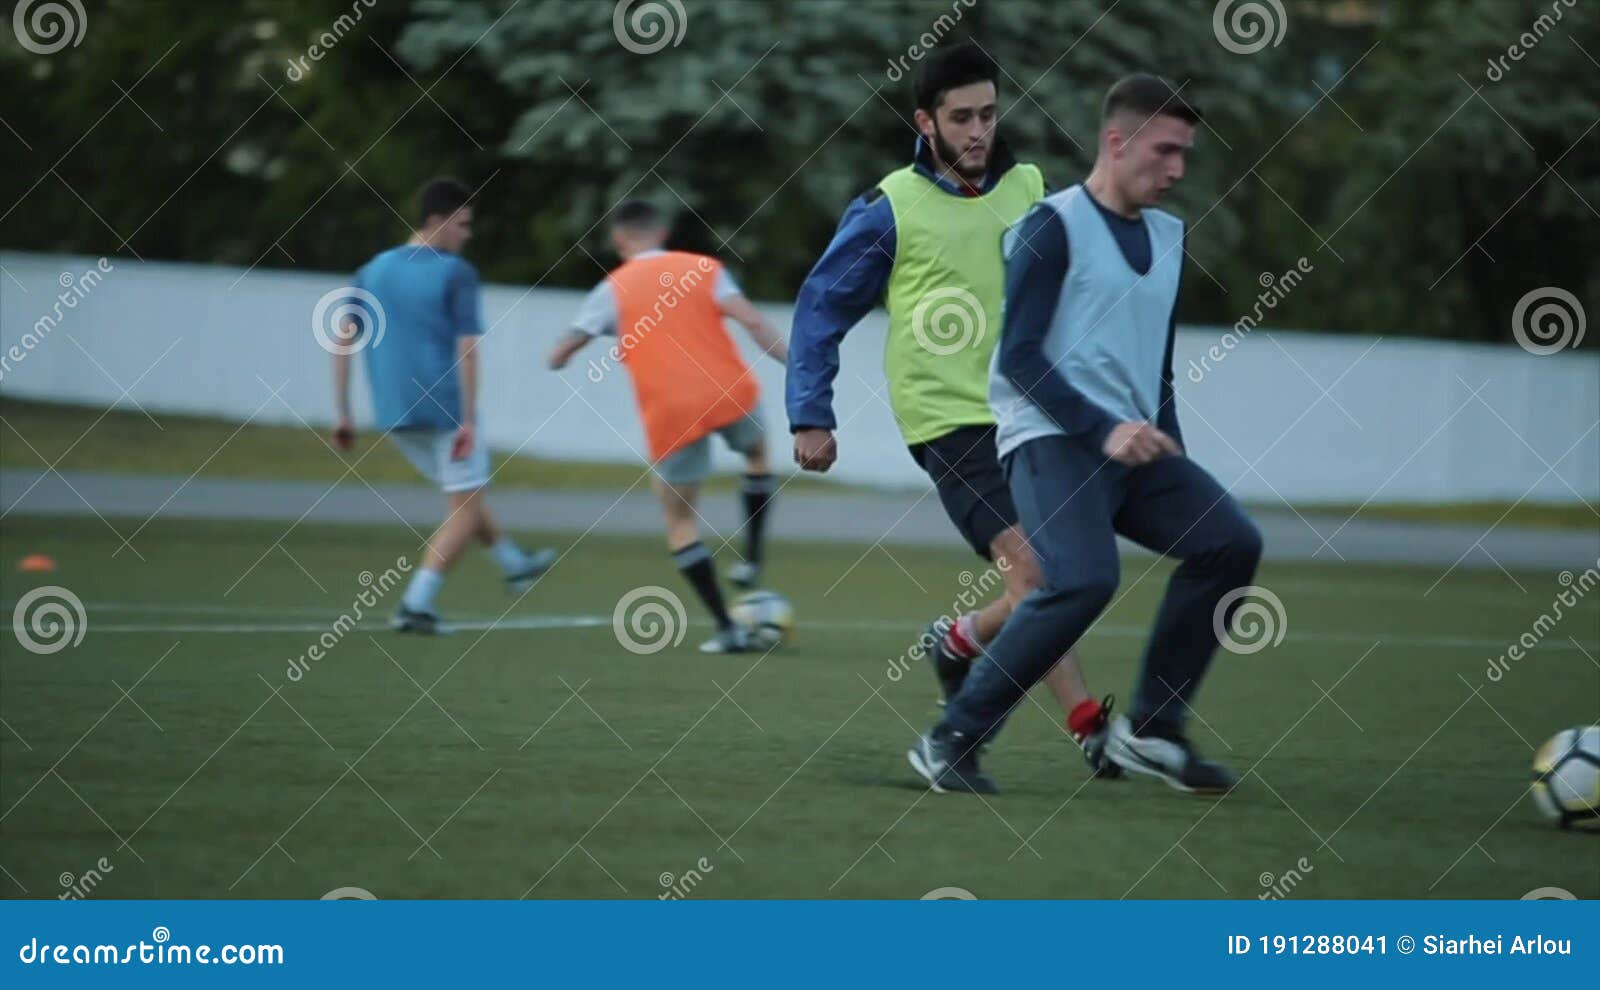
x,y
429,298
1090,318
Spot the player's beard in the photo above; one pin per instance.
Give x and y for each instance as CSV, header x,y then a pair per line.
x,y
951,157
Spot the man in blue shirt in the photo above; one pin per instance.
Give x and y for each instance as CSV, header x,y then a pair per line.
x,y
414,312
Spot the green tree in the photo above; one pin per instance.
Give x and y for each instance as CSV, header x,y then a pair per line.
x,y
1430,188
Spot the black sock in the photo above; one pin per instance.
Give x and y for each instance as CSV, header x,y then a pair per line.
x,y
694,563
757,491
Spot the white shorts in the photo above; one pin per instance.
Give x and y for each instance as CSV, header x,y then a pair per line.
x,y
428,450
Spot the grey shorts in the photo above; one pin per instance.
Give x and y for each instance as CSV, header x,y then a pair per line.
x,y
691,464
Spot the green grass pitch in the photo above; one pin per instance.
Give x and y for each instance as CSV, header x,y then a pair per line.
x,y
547,761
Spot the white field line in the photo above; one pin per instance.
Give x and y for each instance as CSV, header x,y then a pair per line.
x,y
296,619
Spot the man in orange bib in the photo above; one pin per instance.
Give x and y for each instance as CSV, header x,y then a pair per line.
x,y
665,310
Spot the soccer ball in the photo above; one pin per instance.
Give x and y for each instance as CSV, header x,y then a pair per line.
x,y
1566,778
767,614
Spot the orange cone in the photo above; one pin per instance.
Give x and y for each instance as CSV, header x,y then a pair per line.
x,y
36,563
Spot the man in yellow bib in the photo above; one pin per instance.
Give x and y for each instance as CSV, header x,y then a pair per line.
x,y
925,242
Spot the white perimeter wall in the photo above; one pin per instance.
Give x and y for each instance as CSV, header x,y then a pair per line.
x,y
1401,420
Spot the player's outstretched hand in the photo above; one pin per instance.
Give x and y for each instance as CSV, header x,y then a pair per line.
x,y
815,450
1138,443
344,435
461,446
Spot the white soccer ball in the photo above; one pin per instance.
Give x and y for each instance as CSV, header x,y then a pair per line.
x,y
1566,778
767,614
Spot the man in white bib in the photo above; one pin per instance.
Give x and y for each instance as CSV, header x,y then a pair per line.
x,y
1081,387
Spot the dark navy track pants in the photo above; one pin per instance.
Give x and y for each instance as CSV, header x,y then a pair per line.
x,y
1071,500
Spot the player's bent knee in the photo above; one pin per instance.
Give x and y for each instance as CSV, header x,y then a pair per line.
x,y
1099,591
1251,543
1245,545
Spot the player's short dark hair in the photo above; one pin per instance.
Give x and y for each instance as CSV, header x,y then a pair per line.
x,y
951,67
443,196
1146,96
637,214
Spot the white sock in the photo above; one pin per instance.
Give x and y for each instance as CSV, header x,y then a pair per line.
x,y
424,586
508,555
